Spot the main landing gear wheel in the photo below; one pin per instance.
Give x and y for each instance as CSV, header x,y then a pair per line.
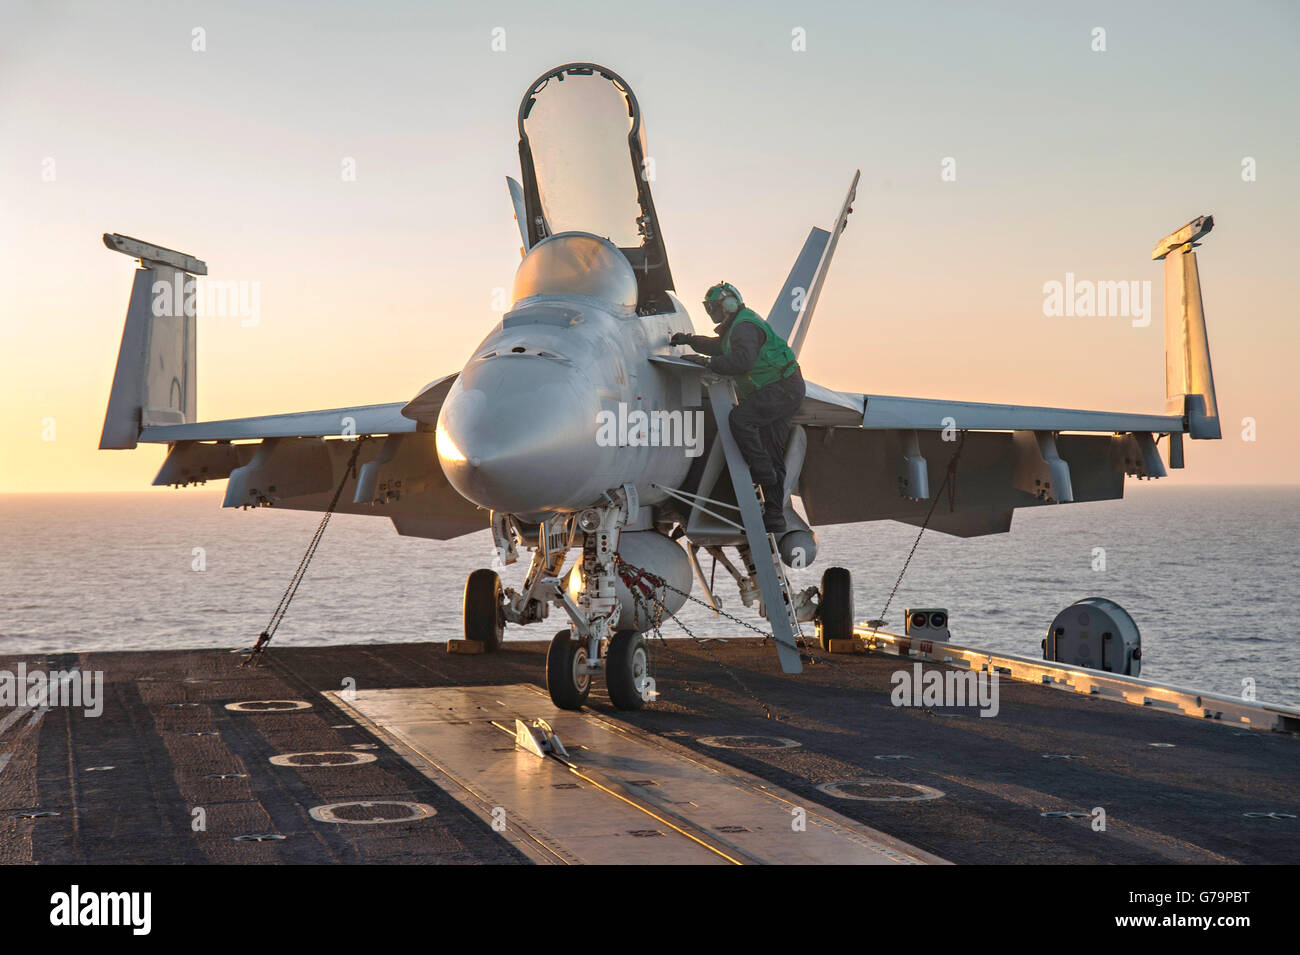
x,y
627,670
567,679
485,620
835,615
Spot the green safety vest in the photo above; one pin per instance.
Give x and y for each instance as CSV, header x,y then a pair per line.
x,y
775,359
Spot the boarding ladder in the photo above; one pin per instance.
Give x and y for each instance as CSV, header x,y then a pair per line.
x,y
774,589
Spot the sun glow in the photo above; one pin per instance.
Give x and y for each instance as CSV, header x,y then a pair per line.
x,y
447,450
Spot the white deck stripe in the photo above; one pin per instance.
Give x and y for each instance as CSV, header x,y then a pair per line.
x,y
13,718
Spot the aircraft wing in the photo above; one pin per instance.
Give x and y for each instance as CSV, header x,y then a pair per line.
x,y
820,406
883,457
418,414
893,461
883,412
365,419
296,461
988,459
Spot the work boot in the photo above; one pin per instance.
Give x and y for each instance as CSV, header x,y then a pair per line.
x,y
773,518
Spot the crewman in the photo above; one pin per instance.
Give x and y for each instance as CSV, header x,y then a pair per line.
x,y
769,386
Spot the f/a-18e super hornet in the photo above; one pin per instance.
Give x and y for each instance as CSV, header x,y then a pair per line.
x,y
576,427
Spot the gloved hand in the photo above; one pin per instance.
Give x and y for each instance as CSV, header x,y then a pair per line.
x,y
680,338
701,360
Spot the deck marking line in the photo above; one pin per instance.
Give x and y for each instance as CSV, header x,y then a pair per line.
x,y
13,718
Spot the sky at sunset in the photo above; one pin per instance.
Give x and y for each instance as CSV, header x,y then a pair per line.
x,y
1067,160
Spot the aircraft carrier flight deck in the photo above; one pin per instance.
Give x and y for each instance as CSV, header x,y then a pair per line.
x,y
406,753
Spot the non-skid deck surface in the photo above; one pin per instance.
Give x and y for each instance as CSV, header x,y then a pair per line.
x,y
1205,794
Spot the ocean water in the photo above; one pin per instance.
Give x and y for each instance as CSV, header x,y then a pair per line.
x,y
1209,575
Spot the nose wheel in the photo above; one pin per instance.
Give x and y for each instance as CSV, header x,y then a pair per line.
x,y
567,678
484,609
627,670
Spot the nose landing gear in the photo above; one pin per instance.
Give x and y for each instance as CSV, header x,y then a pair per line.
x,y
591,644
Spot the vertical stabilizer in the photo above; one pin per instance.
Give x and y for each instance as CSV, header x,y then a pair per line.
x,y
792,314
1189,379
521,213
155,381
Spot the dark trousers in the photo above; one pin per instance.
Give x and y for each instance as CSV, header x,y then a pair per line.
x,y
761,426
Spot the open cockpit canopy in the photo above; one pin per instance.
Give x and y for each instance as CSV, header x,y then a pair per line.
x,y
583,165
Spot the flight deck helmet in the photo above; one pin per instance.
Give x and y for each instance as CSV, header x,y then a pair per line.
x,y
722,302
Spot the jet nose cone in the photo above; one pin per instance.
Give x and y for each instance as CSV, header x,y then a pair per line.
x,y
519,434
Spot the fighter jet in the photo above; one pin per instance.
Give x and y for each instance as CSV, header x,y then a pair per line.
x,y
575,428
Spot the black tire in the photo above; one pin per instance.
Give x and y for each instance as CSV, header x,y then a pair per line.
x,y
485,620
567,687
627,668
835,615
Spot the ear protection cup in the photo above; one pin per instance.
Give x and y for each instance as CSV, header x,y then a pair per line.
x,y
728,299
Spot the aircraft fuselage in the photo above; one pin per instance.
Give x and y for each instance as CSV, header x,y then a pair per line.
x,y
525,429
